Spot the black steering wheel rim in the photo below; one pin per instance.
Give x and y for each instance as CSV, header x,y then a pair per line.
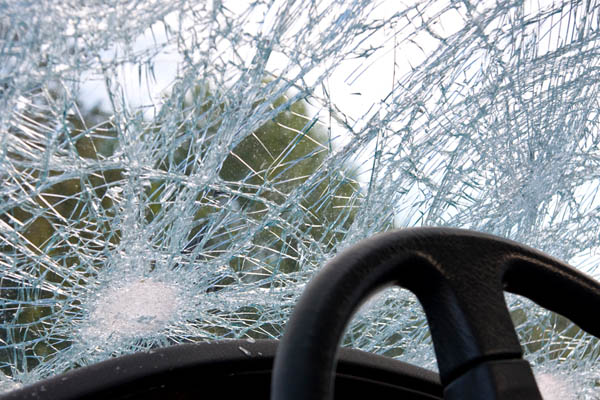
x,y
459,277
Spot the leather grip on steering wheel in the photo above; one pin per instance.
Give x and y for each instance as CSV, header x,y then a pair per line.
x,y
459,277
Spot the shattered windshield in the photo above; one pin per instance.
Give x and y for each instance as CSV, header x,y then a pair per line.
x,y
177,171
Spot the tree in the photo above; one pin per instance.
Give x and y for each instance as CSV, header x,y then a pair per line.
x,y
281,158
261,171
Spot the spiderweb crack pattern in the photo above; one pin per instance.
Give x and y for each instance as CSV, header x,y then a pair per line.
x,y
176,171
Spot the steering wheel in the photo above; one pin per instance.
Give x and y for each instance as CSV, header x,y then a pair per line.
x,y
458,277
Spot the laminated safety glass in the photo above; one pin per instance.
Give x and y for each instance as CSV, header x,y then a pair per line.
x,y
177,171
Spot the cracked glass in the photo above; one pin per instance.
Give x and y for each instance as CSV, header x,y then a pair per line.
x,y
177,171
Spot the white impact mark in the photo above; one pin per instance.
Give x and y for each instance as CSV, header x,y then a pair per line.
x,y
554,387
140,308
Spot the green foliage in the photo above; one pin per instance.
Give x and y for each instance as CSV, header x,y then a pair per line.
x,y
281,158
60,200
272,163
